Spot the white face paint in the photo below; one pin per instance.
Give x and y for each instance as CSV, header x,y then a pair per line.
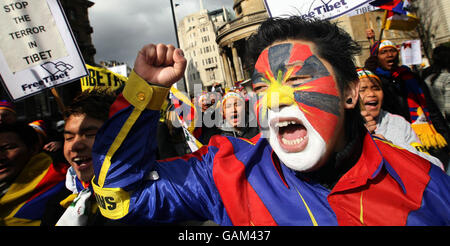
x,y
303,149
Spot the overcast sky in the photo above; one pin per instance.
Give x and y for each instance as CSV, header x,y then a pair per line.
x,y
121,28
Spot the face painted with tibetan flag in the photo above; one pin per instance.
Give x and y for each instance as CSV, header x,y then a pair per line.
x,y
300,103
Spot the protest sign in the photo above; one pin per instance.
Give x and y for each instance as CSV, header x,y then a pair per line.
x,y
411,53
322,9
37,47
100,77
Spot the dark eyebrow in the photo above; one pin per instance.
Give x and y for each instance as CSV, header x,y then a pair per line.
x,y
83,130
5,145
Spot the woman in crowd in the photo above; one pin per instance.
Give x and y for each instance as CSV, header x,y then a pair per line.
x,y
383,124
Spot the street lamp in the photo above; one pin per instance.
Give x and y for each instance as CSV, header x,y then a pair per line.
x,y
176,35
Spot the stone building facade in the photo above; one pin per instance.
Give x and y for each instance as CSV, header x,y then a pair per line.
x,y
232,38
197,35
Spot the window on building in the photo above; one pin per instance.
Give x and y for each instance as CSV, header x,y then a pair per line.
x,y
205,39
238,10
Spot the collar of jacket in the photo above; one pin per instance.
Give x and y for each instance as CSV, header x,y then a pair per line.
x,y
236,132
368,167
73,183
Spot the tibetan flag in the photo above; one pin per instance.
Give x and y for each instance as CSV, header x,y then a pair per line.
x,y
391,5
396,21
397,15
184,108
185,112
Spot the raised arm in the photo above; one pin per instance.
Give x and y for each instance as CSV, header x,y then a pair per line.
x,y
129,183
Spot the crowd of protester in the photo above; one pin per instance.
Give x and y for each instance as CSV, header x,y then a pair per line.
x,y
50,181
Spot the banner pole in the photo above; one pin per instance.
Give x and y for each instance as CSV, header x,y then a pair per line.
x,y
382,28
384,24
371,41
58,99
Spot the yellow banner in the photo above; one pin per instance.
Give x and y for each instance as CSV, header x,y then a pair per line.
x,y
100,77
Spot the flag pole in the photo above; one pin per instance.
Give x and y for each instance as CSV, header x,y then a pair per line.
x,y
382,29
58,99
383,26
371,42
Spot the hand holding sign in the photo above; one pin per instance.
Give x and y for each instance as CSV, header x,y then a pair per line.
x,y
160,64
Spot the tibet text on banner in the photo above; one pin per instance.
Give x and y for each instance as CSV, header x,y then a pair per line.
x,y
28,34
100,77
328,9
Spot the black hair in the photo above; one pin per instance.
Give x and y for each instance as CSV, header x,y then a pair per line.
x,y
94,103
333,43
25,132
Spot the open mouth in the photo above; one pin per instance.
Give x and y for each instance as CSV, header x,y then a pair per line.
x,y
390,62
233,118
4,168
82,162
291,133
371,105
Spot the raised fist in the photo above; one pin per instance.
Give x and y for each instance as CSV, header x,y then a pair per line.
x,y
370,34
160,64
370,124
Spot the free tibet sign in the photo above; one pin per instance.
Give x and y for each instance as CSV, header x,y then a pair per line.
x,y
37,47
320,9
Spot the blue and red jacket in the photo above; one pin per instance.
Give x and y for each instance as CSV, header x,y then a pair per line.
x,y
240,182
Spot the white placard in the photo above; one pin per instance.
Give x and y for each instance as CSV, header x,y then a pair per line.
x,y
37,47
321,9
411,53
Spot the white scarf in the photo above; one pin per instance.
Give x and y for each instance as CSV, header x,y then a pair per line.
x,y
77,212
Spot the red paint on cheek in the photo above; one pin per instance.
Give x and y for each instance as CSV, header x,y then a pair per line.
x,y
324,85
319,110
324,123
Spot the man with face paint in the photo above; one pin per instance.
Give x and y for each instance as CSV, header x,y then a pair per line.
x,y
314,163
